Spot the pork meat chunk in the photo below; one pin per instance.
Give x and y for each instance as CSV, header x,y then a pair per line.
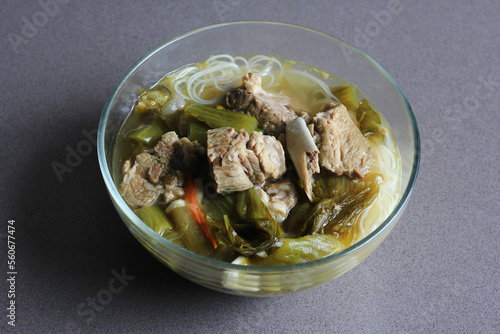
x,y
175,153
226,147
271,110
165,147
342,147
137,187
149,175
280,198
149,166
270,153
240,160
174,186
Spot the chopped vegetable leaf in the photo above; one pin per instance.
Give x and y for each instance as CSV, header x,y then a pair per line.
x,y
255,230
172,107
369,120
152,99
341,200
219,205
347,96
252,236
295,222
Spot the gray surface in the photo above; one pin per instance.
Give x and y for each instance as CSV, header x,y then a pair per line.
x,y
437,271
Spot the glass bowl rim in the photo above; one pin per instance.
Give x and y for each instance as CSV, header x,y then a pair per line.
x,y
226,266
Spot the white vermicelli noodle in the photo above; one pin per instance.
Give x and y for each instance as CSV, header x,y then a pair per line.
x,y
206,82
386,163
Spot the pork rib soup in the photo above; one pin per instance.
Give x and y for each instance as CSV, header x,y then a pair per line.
x,y
258,161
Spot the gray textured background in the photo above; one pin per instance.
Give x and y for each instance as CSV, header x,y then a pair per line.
x,y
438,270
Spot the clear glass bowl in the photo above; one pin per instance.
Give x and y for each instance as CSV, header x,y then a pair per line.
x,y
282,40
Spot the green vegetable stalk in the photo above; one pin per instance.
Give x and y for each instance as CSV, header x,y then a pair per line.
x,y
300,250
193,237
190,233
156,219
148,134
198,131
218,118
